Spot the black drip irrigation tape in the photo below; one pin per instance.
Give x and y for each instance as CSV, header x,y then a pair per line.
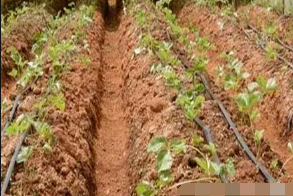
x,y
227,116
207,132
15,106
262,45
269,178
19,142
284,45
12,114
280,42
12,164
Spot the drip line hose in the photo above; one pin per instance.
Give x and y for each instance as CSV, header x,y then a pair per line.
x,y
263,170
207,132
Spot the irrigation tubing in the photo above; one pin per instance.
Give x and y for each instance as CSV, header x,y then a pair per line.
x,y
227,116
263,46
278,39
12,164
263,170
207,132
284,45
12,114
15,106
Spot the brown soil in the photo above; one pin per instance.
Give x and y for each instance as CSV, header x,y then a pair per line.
x,y
112,143
116,106
231,38
261,18
68,170
20,35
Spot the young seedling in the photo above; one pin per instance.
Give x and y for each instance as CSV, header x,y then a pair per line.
x,y
4,105
271,53
247,102
165,151
267,86
274,164
24,154
145,188
20,125
190,104
231,74
271,29
203,44
19,62
171,78
258,137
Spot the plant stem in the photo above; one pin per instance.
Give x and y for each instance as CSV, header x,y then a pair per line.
x,y
289,159
191,181
197,150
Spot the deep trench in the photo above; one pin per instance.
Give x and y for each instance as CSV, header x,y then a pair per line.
x,y
112,143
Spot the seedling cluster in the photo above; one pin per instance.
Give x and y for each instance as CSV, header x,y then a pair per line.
x,y
177,74
47,49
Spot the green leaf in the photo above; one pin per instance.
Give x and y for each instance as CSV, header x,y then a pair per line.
x,y
157,144
4,105
271,53
200,64
178,146
171,78
14,54
230,82
211,148
25,78
164,160
271,85
205,165
229,167
258,136
271,29
262,82
144,189
252,86
197,140
58,101
24,154
246,101
156,68
216,169
254,115
47,148
236,65
274,164
165,178
13,73
192,107
21,124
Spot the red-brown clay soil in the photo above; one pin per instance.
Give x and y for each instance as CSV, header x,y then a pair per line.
x,y
20,35
116,106
69,169
275,108
112,143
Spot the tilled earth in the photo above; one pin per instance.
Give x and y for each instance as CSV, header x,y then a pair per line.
x,y
116,106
